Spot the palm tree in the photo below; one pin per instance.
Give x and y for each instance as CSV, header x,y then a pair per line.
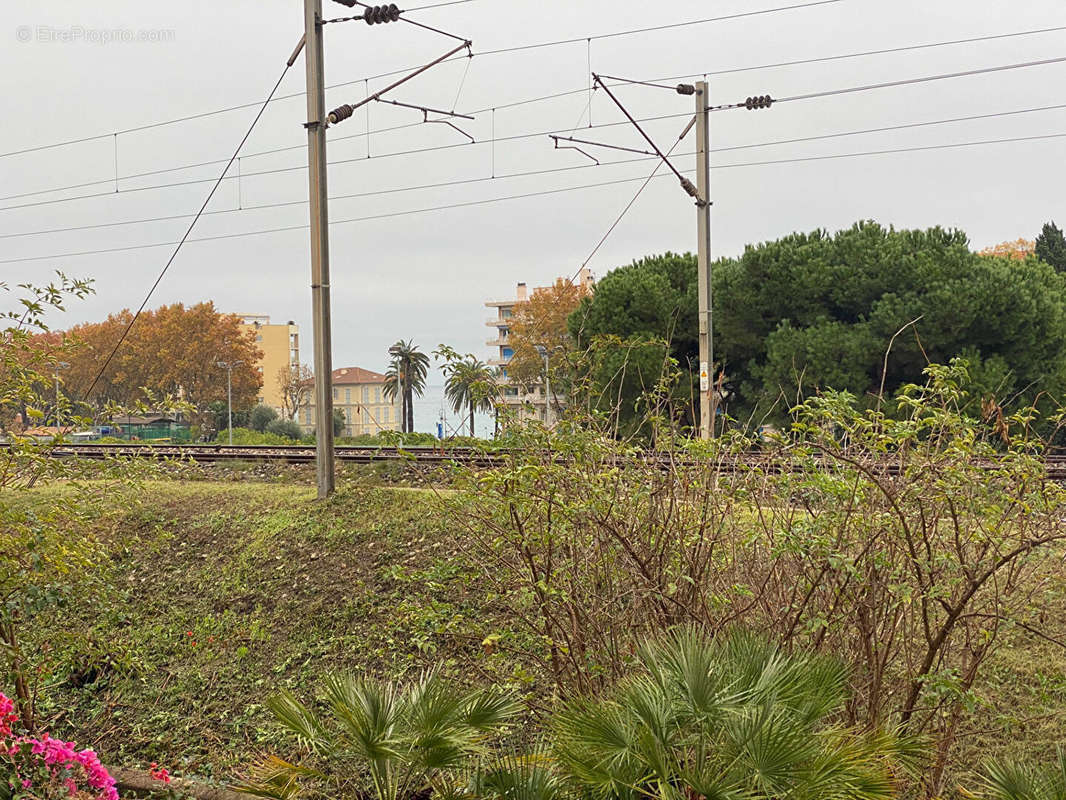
x,y
407,369
1011,780
470,384
381,739
728,718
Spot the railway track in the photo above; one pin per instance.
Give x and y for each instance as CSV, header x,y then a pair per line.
x,y
285,454
304,454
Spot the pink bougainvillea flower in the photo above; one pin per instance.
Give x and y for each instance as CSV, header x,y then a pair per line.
x,y
61,760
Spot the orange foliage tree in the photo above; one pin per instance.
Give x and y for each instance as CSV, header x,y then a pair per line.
x,y
1019,249
171,351
541,321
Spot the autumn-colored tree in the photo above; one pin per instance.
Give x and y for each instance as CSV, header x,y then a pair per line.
x,y
541,321
171,351
296,383
1019,249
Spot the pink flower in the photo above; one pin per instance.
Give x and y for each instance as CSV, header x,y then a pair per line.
x,y
61,758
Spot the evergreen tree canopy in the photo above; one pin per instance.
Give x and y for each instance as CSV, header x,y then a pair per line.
x,y
1051,247
815,311
651,305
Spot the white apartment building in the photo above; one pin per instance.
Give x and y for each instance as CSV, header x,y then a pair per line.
x,y
526,400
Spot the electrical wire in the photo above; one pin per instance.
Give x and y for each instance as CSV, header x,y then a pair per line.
x,y
812,95
629,205
274,171
185,237
333,222
439,5
374,193
919,149
1042,137
924,79
654,28
467,181
498,51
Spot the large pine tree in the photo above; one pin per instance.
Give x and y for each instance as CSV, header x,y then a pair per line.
x,y
1051,247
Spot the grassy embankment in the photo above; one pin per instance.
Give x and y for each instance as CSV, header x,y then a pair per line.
x,y
222,593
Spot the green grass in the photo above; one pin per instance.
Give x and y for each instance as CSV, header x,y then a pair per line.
x,y
222,593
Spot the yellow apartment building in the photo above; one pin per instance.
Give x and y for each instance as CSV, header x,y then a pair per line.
x,y
281,351
360,396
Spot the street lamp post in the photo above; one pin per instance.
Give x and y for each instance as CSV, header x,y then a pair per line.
x,y
228,366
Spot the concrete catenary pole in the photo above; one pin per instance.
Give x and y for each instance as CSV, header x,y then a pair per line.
x,y
708,395
316,160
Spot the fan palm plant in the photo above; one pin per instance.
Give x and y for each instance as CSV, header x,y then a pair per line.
x,y
1011,780
734,718
381,740
519,776
470,384
408,367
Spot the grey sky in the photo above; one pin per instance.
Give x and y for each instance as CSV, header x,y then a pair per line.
x,y
425,276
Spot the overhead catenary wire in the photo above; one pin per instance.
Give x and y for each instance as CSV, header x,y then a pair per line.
x,y
726,107
334,222
181,242
686,184
260,173
502,106
498,51
946,146
924,79
553,170
631,203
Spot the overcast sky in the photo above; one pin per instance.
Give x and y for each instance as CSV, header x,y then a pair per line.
x,y
426,276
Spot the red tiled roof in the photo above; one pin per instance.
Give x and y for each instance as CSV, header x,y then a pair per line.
x,y
351,375
48,430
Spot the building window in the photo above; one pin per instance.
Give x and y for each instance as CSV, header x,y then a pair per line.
x,y
385,416
377,395
506,352
347,395
259,338
336,393
307,416
366,394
